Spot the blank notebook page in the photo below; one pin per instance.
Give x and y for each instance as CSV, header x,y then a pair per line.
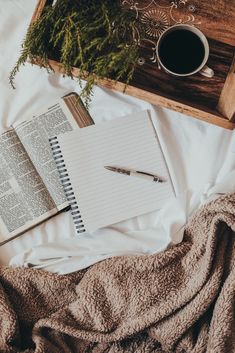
x,y
105,197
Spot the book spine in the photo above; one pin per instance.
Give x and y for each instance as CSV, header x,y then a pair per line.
x,y
67,186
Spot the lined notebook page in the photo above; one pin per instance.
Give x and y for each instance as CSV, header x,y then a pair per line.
x,y
105,197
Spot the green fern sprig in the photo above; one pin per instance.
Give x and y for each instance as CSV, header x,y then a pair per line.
x,y
95,36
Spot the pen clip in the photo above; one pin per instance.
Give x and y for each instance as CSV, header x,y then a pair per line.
x,y
137,171
155,177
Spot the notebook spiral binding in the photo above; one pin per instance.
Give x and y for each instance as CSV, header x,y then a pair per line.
x,y
67,186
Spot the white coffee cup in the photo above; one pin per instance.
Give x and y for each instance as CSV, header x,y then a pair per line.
x,y
203,69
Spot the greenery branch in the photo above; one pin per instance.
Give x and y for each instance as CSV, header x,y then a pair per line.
x,y
95,36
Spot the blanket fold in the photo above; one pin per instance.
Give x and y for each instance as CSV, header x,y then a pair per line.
x,y
180,300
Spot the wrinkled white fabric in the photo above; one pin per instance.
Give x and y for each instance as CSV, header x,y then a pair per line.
x,y
75,254
201,158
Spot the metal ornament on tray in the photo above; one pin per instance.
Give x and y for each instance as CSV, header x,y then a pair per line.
x,y
156,18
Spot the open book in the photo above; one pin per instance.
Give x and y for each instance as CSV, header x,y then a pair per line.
x,y
30,189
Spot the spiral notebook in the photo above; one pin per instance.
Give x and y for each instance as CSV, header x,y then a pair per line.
x,y
99,197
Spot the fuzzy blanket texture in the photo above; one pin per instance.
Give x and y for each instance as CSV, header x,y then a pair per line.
x,y
180,300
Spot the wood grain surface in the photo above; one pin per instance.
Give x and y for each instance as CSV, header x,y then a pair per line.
x,y
226,105
209,116
211,99
197,90
216,18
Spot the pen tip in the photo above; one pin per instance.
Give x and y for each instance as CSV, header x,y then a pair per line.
x,y
113,169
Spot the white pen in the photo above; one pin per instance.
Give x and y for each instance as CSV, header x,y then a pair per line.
x,y
136,173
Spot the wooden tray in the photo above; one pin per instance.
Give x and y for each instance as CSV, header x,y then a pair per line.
x,y
211,100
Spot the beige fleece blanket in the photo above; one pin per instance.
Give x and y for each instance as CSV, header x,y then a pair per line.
x,y
180,300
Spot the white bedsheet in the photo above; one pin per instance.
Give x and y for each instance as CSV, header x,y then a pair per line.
x,y
201,158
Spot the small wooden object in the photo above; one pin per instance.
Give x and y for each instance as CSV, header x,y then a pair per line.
x,y
208,99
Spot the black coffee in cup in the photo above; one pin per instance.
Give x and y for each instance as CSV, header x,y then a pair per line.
x,y
181,51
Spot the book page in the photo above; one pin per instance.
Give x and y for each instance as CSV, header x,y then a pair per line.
x,y
24,199
104,197
34,134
